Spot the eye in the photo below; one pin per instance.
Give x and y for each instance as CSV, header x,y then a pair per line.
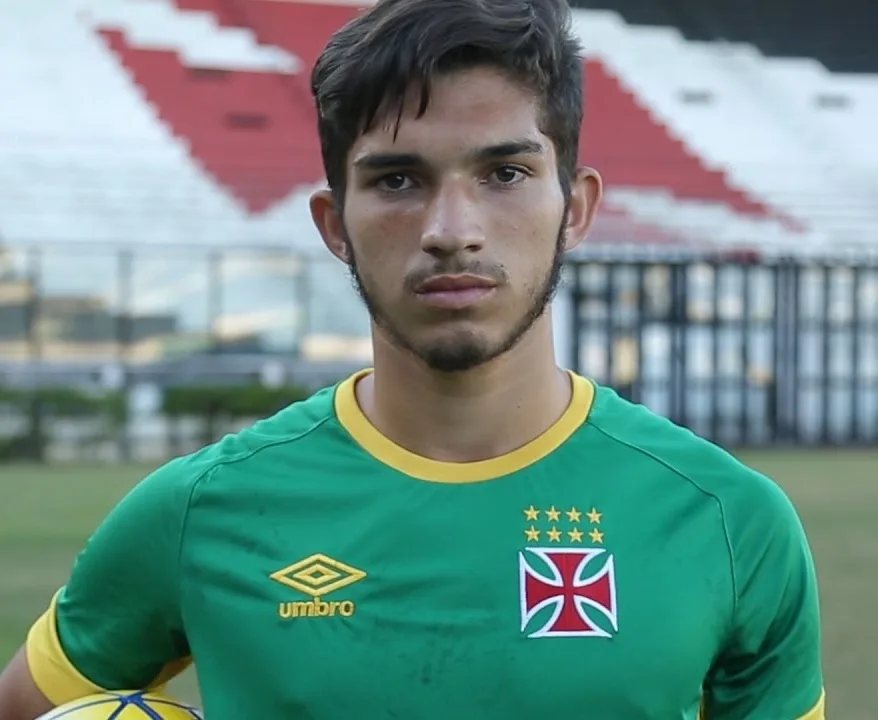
x,y
508,174
395,182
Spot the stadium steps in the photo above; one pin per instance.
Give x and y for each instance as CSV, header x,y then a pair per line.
x,y
633,149
222,94
836,114
300,28
197,106
652,176
239,125
108,174
72,134
757,119
694,194
828,181
638,150
197,36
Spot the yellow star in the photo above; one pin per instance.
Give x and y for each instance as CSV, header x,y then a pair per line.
x,y
596,536
594,516
554,535
532,513
574,515
553,514
532,534
575,535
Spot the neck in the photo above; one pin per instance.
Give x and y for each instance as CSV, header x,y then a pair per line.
x,y
467,416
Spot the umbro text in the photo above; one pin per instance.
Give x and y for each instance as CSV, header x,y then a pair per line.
x,y
316,608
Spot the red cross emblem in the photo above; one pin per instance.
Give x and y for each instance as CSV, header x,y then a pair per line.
x,y
581,583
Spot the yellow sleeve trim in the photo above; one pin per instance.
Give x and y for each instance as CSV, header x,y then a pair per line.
x,y
818,712
55,675
52,672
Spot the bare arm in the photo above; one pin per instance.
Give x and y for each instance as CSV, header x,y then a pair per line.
x,y
20,699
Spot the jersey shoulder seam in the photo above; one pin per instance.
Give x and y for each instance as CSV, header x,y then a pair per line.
x,y
685,476
216,464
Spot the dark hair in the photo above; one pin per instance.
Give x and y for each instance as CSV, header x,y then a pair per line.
x,y
371,63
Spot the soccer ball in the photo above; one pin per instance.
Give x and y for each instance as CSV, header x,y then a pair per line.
x,y
127,705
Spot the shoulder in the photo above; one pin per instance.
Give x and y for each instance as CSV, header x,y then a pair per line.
x,y
285,429
749,500
287,432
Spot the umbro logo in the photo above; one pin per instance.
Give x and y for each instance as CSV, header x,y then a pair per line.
x,y
317,575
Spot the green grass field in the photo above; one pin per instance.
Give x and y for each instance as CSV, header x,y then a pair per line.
x,y
46,514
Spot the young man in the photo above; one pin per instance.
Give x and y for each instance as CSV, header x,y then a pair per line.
x,y
464,530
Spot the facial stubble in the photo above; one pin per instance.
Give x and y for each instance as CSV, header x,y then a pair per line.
x,y
465,351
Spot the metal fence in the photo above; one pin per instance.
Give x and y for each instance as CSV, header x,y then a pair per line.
x,y
745,353
155,310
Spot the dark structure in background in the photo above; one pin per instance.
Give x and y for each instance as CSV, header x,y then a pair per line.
x,y
841,34
744,353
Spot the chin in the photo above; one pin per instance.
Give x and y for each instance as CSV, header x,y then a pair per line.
x,y
456,359
458,352
453,347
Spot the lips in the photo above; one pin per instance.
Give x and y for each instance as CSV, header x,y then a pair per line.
x,y
455,292
451,283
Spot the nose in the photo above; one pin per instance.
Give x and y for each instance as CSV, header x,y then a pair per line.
x,y
453,223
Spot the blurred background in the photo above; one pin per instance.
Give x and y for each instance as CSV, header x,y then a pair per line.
x,y
161,283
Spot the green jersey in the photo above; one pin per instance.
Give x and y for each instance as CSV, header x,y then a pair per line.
x,y
617,567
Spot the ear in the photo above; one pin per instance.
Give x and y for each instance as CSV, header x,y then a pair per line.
x,y
328,220
585,197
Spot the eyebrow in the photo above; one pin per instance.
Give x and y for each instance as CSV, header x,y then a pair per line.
x,y
386,161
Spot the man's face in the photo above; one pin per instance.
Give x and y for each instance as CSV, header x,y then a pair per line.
x,y
454,229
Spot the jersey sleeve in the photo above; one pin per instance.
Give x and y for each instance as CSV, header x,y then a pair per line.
x,y
770,668
116,623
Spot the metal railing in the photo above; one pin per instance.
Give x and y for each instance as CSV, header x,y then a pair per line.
x,y
745,353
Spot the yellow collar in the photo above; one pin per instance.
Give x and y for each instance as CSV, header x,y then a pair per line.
x,y
386,451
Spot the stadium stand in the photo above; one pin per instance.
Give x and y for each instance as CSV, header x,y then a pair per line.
x,y
769,123
153,122
699,142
